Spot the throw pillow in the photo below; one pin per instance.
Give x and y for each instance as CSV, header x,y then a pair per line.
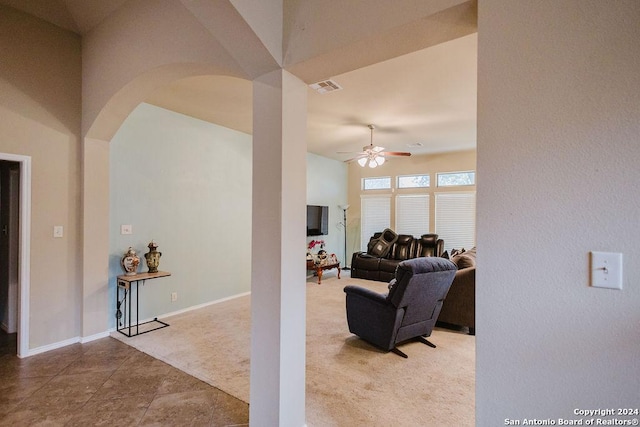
x,y
381,247
464,260
455,252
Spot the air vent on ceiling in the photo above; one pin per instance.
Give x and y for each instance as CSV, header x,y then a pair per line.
x,y
325,86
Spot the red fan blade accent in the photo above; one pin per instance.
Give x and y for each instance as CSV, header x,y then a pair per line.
x,y
395,153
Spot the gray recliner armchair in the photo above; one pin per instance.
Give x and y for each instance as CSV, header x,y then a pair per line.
x,y
410,309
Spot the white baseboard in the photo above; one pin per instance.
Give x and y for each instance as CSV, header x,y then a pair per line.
x,y
74,340
195,307
94,337
52,346
99,335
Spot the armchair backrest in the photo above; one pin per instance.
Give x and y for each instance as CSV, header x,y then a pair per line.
x,y
403,248
420,287
430,245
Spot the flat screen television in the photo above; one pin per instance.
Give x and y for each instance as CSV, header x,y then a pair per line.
x,y
317,220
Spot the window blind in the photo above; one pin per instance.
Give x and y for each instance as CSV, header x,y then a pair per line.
x,y
412,214
376,216
456,219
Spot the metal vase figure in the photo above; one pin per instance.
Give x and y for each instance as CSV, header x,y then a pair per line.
x,y
153,257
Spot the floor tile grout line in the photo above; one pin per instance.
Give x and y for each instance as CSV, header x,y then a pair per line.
x,y
147,408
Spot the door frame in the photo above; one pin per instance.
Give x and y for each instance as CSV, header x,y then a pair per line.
x,y
24,243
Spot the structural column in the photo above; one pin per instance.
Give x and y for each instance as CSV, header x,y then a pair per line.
x,y
95,253
278,292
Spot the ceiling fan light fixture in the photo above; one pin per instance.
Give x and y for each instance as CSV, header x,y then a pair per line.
x,y
374,156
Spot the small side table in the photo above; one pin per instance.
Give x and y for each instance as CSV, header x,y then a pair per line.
x,y
124,282
320,268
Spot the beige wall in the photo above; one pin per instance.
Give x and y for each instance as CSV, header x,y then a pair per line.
x,y
431,164
40,117
558,126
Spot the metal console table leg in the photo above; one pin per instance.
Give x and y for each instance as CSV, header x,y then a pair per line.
x,y
124,282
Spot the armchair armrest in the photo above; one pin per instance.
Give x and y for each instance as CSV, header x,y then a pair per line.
x,y
459,307
366,293
362,255
371,316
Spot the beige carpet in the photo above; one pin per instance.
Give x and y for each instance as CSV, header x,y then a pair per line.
x,y
349,382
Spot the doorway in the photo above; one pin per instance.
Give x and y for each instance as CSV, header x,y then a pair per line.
x,y
9,239
15,231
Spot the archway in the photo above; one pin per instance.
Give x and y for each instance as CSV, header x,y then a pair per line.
x,y
96,192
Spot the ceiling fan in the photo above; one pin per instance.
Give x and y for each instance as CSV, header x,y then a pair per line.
x,y
373,155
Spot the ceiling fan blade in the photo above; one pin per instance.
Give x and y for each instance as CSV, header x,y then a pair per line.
x,y
373,152
395,153
361,156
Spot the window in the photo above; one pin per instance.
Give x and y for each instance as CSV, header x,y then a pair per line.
x,y
414,181
376,216
456,219
451,179
412,214
378,183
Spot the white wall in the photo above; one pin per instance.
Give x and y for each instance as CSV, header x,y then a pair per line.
x,y
186,184
327,186
558,126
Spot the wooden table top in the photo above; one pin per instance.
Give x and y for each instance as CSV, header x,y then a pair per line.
x,y
143,276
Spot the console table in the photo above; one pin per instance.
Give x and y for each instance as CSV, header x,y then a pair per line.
x,y
318,269
124,283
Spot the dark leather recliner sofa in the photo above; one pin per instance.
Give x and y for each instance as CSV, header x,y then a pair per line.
x,y
371,266
459,309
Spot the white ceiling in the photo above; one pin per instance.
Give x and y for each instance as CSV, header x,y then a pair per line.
x,y
422,102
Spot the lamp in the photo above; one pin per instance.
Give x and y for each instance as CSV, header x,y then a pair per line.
x,y
344,224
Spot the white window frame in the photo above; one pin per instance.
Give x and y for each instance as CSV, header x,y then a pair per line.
x,y
412,175
376,189
454,173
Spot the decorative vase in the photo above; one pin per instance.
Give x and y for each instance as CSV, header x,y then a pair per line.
x,y
322,257
153,257
129,262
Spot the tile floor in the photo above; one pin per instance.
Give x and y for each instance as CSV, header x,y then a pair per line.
x,y
106,382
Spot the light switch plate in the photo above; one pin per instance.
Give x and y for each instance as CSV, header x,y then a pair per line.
x,y
606,270
58,231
